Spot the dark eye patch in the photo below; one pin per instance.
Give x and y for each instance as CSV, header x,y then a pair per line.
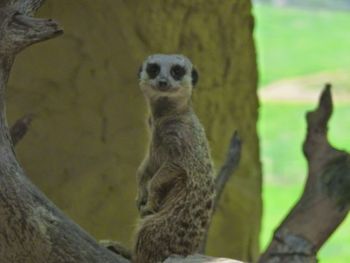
x,y
152,70
177,72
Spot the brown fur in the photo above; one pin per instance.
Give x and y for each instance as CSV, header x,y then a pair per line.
x,y
176,186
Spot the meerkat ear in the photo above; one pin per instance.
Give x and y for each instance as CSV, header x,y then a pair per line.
x,y
194,74
139,72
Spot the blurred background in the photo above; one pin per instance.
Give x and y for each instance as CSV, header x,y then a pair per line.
x,y
261,65
301,45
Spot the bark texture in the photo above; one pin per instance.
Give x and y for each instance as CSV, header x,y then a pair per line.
x,y
325,201
89,131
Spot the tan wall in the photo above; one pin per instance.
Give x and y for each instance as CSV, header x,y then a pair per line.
x,y
89,136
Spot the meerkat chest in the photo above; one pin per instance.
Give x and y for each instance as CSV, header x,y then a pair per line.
x,y
169,136
158,152
156,159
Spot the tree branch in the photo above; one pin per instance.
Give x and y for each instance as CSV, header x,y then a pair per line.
x,y
231,163
232,160
325,201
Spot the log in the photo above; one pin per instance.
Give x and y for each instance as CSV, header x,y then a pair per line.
x,y
325,201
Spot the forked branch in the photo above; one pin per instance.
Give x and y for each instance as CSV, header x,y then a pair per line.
x,y
325,201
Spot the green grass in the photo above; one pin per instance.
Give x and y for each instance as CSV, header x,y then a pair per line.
x,y
293,42
282,131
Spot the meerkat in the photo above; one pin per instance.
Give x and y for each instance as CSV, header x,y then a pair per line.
x,y
175,180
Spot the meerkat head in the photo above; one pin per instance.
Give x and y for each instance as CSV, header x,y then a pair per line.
x,y
167,76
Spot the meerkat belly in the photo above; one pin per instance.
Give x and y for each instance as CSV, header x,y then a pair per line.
x,y
192,198
187,216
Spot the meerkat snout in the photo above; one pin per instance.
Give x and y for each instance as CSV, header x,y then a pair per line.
x,y
163,85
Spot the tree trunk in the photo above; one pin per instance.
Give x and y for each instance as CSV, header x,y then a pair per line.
x,y
89,131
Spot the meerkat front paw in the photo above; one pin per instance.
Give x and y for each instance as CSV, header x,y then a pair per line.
x,y
146,211
149,208
140,203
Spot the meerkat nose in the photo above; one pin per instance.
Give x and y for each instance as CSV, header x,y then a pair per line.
x,y
163,85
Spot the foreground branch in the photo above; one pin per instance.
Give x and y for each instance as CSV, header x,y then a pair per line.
x,y
325,201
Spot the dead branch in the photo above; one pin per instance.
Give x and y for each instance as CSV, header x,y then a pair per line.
x,y
20,128
325,201
232,160
231,163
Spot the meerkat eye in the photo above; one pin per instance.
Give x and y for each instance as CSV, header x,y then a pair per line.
x,y
177,72
153,70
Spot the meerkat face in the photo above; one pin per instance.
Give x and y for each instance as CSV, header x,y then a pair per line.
x,y
167,75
